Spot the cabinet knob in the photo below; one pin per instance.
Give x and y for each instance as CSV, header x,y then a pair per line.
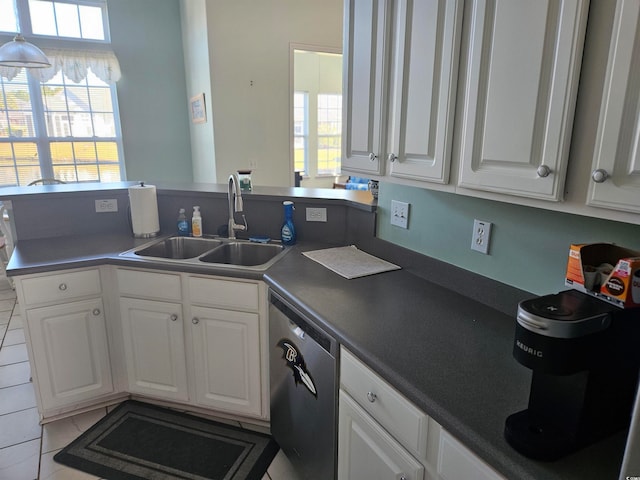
x,y
371,397
599,176
403,477
96,312
372,156
392,157
195,320
174,317
62,287
543,171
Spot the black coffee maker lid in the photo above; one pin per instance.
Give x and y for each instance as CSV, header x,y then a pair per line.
x,y
568,314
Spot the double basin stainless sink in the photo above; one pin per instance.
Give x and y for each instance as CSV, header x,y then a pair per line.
x,y
214,251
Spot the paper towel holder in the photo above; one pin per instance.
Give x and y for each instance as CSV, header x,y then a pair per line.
x,y
144,221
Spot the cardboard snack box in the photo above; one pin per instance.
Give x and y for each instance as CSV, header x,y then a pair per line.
x,y
606,271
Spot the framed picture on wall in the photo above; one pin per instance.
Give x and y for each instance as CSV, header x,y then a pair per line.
x,y
198,110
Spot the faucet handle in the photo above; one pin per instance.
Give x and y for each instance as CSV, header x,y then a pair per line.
x,y
244,220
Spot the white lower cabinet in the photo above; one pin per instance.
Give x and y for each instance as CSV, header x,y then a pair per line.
x,y
382,435
70,352
228,335
195,339
455,462
226,348
67,338
153,333
154,348
366,451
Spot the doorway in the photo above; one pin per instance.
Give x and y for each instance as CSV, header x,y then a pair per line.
x,y
316,115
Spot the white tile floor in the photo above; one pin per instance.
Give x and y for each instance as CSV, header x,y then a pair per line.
x,y
26,447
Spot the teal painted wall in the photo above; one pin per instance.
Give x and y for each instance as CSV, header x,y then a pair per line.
x,y
528,249
146,37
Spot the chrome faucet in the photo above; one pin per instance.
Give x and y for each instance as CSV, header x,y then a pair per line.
x,y
235,206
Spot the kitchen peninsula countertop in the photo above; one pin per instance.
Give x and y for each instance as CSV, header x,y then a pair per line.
x,y
447,353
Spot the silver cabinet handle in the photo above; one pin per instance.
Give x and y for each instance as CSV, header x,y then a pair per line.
x,y
62,287
392,157
174,317
599,176
372,156
543,171
195,320
96,312
371,397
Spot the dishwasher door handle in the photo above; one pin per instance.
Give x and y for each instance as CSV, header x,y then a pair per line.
x,y
307,329
297,331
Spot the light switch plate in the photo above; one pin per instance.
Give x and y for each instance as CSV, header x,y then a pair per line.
x,y
399,214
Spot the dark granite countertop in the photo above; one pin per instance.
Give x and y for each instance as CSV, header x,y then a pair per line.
x,y
60,253
448,353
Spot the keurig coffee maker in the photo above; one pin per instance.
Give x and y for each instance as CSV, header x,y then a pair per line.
x,y
585,372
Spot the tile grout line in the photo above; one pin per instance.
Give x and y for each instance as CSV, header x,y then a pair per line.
x,y
23,442
40,451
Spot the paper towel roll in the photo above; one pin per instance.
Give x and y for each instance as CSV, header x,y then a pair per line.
x,y
144,210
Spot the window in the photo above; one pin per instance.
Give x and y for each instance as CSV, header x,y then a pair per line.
x,y
329,133
68,19
52,125
300,130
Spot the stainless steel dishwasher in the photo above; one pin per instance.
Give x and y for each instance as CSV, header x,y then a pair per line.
x,y
303,377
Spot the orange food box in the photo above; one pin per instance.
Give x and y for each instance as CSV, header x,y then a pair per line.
x,y
606,271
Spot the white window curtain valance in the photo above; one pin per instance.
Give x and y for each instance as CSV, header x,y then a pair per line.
x,y
74,64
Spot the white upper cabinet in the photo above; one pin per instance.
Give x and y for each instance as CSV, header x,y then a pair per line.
x,y
425,56
366,24
522,69
400,64
615,177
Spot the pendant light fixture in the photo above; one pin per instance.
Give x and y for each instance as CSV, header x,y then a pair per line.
x,y
20,53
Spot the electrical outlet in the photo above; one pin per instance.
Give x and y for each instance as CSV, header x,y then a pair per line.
x,y
399,214
104,206
316,214
481,236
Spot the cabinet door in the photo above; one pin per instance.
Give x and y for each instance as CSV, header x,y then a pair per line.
x,y
366,451
615,181
425,59
523,65
154,348
226,349
70,350
457,462
366,25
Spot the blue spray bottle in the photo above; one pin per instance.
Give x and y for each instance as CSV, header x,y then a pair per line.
x,y
183,225
288,230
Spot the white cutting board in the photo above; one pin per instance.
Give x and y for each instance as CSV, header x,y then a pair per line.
x,y
350,262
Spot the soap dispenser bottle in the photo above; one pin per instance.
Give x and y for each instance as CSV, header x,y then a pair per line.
x,y
196,222
183,225
288,230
